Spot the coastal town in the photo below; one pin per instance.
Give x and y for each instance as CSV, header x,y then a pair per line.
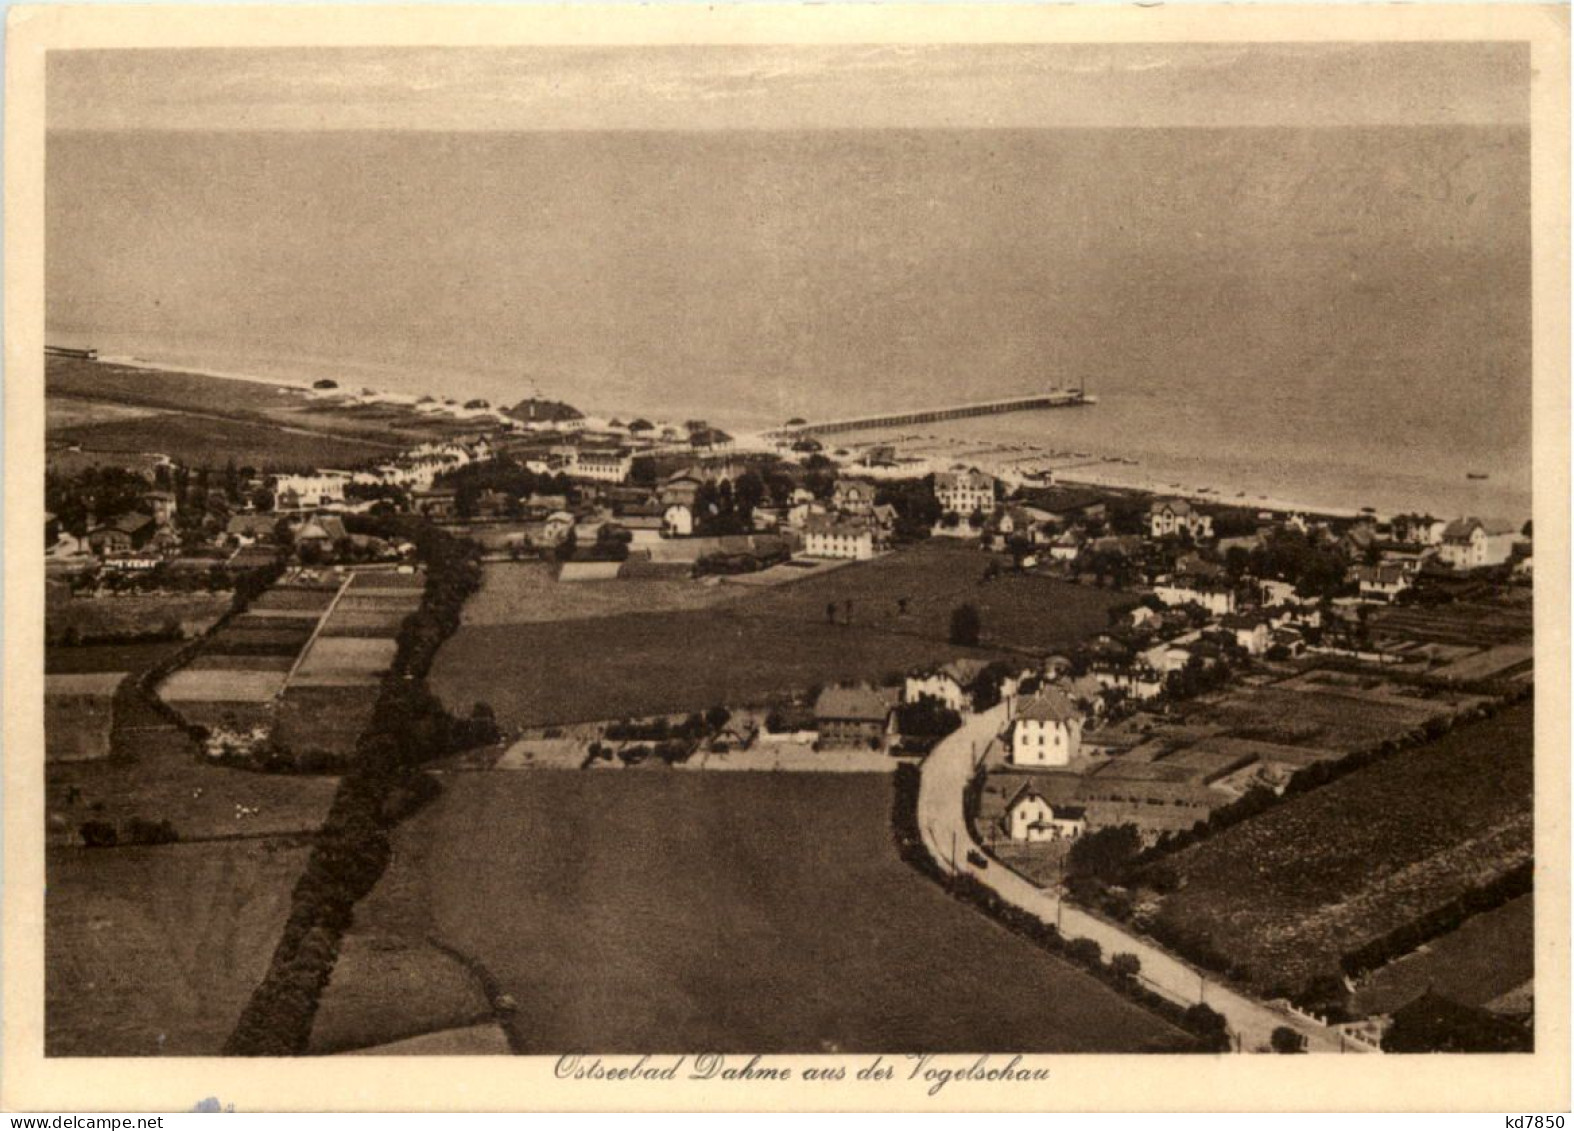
x,y
1194,746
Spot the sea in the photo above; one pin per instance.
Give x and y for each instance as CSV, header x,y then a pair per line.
x,y
1341,316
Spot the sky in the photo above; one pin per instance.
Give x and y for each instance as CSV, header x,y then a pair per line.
x,y
789,87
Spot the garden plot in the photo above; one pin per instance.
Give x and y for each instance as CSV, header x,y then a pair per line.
x,y
221,661
365,622
294,599
220,685
346,660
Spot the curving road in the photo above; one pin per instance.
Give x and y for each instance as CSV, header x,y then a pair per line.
x,y
943,824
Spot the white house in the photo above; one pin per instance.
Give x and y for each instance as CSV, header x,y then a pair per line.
x,y
1218,601
1166,658
1381,582
1172,516
963,492
1470,543
1030,817
1274,592
1066,546
1251,633
825,537
1047,731
951,683
608,465
677,520
318,489
853,497
1138,681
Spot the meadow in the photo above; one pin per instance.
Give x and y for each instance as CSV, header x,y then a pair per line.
x,y
662,912
1289,891
153,951
544,652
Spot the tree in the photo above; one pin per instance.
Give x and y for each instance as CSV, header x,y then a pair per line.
x,y
1209,1025
965,626
1084,951
1125,966
1104,854
1286,1040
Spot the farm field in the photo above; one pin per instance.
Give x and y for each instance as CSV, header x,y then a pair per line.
x,y
642,664
86,618
573,655
1464,623
153,951
668,912
136,723
1326,720
1489,955
1286,893
529,593
328,718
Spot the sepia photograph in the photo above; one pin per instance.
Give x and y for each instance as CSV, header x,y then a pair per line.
x,y
691,555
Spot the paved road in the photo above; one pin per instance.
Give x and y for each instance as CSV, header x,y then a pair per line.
x,y
943,825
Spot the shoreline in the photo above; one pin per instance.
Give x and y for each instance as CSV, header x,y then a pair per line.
x,y
1079,469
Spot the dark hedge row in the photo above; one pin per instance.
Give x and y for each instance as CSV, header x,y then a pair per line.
x,y
409,727
248,587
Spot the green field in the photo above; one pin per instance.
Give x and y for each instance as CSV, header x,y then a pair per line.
x,y
577,654
153,951
1291,890
726,912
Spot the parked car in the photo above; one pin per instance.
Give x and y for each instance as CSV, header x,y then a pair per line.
x,y
977,859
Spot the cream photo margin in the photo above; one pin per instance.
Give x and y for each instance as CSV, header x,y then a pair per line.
x,y
29,1082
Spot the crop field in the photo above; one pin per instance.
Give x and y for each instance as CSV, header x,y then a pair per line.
x,y
383,579
1487,956
220,686
124,616
1289,891
365,622
329,718
773,916
153,951
348,658
1464,623
295,599
216,661
1505,659
1325,720
62,660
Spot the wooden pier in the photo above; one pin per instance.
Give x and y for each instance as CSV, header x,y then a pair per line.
x,y
1070,398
